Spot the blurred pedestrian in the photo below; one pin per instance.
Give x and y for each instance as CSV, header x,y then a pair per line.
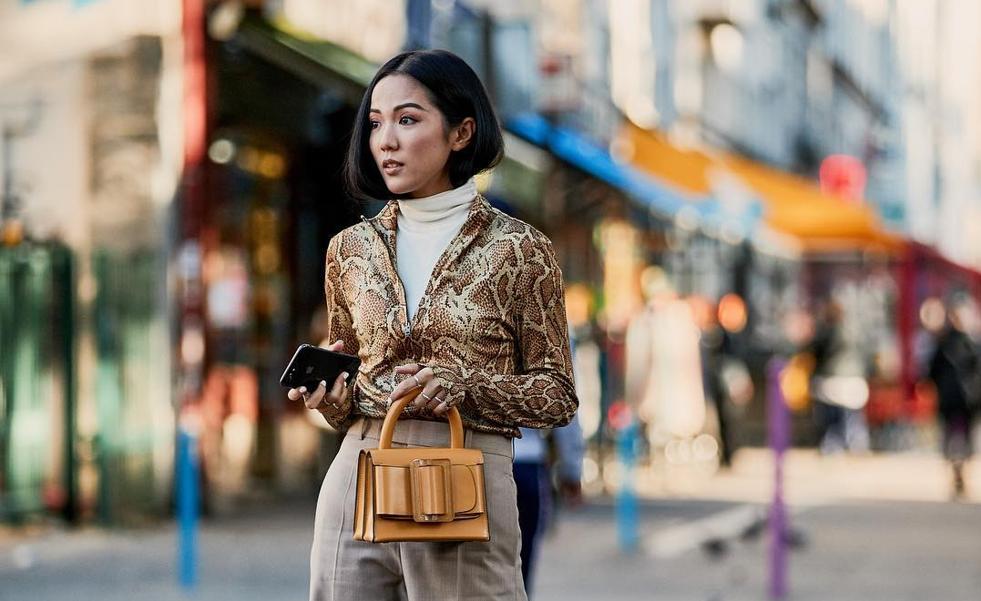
x,y
725,375
536,453
663,375
954,370
444,293
838,386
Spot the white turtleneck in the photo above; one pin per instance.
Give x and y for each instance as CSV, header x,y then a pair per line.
x,y
425,228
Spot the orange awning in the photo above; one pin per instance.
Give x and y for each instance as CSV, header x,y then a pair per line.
x,y
792,205
820,222
685,169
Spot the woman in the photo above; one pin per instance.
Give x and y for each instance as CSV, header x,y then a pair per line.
x,y
443,292
954,371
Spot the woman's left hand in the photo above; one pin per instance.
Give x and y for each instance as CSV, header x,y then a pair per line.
x,y
433,392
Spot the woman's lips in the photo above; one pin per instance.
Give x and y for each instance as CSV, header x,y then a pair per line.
x,y
391,167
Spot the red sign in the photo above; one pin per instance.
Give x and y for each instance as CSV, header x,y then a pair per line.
x,y
843,176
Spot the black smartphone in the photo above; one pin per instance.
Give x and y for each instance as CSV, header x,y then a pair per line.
x,y
311,364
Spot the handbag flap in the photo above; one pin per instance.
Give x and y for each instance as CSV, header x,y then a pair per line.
x,y
412,482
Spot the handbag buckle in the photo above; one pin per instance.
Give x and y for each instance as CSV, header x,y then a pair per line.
x,y
432,490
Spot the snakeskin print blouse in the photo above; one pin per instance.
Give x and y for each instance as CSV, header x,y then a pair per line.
x,y
491,324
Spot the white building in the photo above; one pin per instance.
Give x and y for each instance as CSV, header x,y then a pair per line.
x,y
938,48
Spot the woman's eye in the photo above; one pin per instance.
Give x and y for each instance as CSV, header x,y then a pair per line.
x,y
406,120
373,124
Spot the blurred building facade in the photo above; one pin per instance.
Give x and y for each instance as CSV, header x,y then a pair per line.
x,y
939,95
90,105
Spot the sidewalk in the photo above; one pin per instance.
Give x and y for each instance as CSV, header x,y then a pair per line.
x,y
854,552
811,478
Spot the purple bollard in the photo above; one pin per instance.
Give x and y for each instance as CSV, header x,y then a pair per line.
x,y
778,428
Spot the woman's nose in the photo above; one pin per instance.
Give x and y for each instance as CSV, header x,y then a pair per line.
x,y
388,140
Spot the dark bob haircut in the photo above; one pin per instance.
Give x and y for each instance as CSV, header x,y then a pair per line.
x,y
457,92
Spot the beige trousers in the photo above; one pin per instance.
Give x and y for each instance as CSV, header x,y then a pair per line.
x,y
343,569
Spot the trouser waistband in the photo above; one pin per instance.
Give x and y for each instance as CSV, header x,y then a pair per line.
x,y
422,433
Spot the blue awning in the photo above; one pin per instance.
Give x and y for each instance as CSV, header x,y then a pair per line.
x,y
588,156
657,196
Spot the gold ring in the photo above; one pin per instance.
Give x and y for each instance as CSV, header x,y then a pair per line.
x,y
418,384
426,396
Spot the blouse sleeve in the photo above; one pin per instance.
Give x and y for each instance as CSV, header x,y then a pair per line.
x,y
542,394
339,326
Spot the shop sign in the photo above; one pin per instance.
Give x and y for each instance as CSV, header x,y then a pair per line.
x,y
843,176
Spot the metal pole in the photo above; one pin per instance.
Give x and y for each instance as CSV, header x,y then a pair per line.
x,y
65,267
626,502
779,435
190,303
187,508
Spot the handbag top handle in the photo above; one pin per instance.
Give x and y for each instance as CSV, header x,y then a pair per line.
x,y
388,426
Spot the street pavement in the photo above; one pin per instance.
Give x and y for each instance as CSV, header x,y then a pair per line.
x,y
690,549
865,551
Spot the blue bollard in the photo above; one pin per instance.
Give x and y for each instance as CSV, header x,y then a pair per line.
x,y
626,501
187,509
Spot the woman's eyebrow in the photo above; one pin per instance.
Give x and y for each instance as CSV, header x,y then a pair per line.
x,y
404,105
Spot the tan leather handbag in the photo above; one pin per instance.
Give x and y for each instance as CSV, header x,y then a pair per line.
x,y
420,494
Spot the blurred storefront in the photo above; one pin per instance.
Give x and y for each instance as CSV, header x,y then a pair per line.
x,y
616,221
928,282
88,107
843,255
37,372
718,226
280,107
172,290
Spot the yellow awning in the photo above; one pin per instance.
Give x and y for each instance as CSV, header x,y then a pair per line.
x,y
792,204
685,169
819,221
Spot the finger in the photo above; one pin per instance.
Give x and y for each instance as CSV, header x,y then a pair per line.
x,y
295,394
436,400
431,389
337,346
399,391
408,398
441,409
406,385
314,399
408,368
337,392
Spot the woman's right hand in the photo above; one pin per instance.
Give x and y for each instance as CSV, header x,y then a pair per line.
x,y
320,398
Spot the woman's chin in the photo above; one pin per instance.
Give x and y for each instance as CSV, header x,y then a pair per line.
x,y
398,186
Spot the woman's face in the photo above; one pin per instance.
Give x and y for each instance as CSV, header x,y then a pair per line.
x,y
409,139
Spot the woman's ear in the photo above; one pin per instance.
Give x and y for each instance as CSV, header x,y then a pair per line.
x,y
462,134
